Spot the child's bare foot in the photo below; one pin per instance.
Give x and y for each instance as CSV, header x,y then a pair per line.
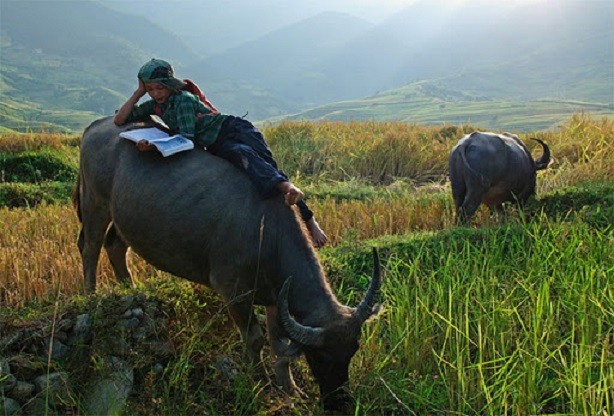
x,y
318,237
291,193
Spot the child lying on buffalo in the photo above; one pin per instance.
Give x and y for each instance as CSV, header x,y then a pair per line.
x,y
232,138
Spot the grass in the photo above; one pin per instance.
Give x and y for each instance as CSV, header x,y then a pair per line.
x,y
511,317
494,323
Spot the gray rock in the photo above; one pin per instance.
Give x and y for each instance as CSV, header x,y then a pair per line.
x,y
9,340
82,331
129,323
7,380
226,367
22,392
108,394
137,312
58,349
27,367
64,325
55,387
126,302
10,406
38,406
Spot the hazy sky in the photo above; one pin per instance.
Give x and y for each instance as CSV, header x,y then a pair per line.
x,y
376,10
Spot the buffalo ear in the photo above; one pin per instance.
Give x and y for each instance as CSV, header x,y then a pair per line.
x,y
294,350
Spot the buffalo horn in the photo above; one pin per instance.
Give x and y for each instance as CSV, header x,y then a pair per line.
x,y
544,160
366,308
300,333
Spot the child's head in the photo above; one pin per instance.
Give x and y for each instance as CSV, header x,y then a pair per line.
x,y
161,72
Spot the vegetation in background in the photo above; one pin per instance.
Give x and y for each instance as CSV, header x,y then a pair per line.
x,y
514,316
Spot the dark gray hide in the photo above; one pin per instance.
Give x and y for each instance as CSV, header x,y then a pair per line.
x,y
198,217
492,168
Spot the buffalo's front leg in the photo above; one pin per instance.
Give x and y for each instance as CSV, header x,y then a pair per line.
x,y
283,353
242,314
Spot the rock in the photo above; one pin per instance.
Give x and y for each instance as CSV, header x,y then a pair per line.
x,y
26,367
9,340
9,406
7,379
126,302
58,349
137,312
82,331
225,366
22,392
61,336
160,349
129,323
37,406
64,325
108,395
55,386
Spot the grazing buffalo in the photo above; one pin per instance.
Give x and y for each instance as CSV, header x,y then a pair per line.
x,y
492,168
198,217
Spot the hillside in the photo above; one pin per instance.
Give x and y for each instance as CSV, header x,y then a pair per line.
x,y
432,102
560,50
75,57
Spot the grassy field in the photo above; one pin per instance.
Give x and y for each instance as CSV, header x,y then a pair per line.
x,y
513,316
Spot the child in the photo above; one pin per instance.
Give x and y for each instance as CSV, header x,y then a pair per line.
x,y
232,138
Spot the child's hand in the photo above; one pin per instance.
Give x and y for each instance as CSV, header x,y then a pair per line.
x,y
145,146
141,89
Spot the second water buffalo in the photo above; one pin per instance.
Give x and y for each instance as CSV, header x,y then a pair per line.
x,y
492,168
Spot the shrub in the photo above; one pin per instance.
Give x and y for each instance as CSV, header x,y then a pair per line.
x,y
17,195
39,166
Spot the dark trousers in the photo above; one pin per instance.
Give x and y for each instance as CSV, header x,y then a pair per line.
x,y
243,145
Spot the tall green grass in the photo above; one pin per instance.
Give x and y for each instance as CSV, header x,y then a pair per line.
x,y
514,320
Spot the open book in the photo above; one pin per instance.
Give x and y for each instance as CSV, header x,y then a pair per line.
x,y
165,143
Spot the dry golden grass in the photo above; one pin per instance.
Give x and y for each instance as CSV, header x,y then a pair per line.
x,y
20,142
39,258
377,151
582,150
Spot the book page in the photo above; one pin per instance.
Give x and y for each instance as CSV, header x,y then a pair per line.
x,y
149,134
173,145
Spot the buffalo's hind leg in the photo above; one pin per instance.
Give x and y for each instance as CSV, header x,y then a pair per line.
x,y
470,205
116,249
90,242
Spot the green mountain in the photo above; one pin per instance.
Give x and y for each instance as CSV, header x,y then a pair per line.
x,y
65,63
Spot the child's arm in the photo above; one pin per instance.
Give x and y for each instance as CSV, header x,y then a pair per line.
x,y
124,111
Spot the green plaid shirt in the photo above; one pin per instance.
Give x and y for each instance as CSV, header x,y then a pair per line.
x,y
185,114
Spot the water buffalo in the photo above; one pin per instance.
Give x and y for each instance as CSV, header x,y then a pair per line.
x,y
492,168
198,217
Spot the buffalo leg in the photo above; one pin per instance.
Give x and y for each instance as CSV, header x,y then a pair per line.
x,y
116,249
458,193
469,207
242,314
90,242
283,375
